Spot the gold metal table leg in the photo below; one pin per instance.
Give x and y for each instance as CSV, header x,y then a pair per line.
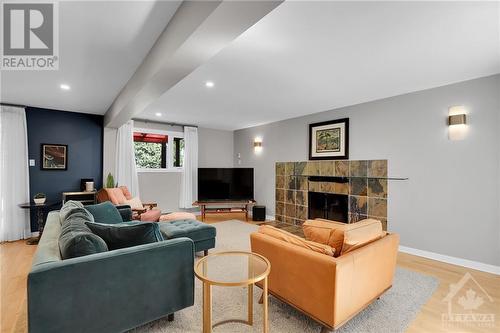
x,y
207,308
264,305
250,304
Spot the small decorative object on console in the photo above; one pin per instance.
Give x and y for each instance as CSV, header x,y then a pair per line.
x,y
39,198
83,184
89,186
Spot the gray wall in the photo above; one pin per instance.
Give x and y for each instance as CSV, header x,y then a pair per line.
x,y
450,205
162,188
215,150
108,152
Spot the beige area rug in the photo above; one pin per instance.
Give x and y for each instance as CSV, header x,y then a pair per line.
x,y
393,312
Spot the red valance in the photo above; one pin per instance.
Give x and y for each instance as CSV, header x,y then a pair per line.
x,y
148,137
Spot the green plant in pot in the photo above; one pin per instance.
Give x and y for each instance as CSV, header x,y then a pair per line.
x,y
110,181
39,198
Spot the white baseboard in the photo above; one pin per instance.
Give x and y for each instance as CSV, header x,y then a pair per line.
x,y
452,260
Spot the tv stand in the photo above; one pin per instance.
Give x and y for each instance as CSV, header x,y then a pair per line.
x,y
209,207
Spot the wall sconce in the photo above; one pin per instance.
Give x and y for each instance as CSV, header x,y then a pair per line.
x,y
457,123
257,145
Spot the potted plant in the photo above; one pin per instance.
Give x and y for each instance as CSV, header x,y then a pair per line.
x,y
39,198
110,181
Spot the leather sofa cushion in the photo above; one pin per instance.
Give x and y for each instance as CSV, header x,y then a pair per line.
x,y
323,231
76,239
105,212
126,234
319,231
361,233
126,192
296,240
333,233
116,195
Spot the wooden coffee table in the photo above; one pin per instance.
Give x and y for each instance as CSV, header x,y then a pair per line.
x,y
212,270
214,207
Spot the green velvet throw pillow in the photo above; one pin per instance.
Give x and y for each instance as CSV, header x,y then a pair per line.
x,y
127,234
68,207
81,214
105,212
76,239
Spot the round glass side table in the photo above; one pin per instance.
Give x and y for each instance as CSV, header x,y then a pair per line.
x,y
247,268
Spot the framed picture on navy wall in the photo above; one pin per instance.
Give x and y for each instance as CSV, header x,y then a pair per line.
x,y
329,140
54,157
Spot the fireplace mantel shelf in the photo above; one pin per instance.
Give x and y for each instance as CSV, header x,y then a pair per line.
x,y
346,178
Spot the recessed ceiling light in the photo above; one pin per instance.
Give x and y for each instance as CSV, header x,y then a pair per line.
x,y
65,87
158,114
209,84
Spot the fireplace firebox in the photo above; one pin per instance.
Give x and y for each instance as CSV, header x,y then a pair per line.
x,y
328,206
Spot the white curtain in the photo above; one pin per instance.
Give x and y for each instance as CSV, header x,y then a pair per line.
x,y
14,174
189,183
126,171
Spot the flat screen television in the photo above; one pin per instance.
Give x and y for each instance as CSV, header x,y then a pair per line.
x,y
220,184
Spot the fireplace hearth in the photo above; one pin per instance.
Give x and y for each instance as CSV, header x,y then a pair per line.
x,y
328,206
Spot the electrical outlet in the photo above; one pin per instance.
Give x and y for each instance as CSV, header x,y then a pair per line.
x,y
32,162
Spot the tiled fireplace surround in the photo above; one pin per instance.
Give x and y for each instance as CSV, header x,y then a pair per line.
x,y
364,184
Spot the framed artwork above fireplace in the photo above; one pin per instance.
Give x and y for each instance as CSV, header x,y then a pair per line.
x,y
329,140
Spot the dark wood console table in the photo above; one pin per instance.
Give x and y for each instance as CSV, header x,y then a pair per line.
x,y
86,198
40,212
210,207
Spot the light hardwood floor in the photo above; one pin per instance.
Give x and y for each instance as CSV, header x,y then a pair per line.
x,y
15,262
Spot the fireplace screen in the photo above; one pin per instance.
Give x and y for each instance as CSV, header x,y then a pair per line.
x,y
328,206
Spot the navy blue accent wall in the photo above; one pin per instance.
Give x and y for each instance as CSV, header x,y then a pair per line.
x,y
83,133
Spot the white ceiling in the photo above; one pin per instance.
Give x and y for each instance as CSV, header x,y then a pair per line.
x,y
307,57
101,45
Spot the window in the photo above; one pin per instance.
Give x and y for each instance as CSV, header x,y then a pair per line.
x,y
158,150
178,152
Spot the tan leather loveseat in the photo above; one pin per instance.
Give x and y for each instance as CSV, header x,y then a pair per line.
x,y
331,289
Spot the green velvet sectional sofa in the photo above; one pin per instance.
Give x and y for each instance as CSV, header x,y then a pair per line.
x,y
114,290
